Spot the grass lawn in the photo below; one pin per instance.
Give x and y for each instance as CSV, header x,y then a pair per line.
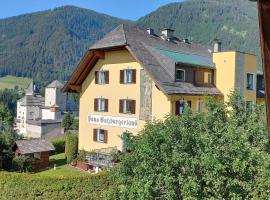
x,y
62,169
66,182
10,82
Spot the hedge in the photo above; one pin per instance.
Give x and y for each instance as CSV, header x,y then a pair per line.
x,y
71,147
31,186
59,145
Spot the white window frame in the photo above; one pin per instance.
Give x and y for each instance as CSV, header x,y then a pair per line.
x,y
101,77
253,81
128,76
125,111
200,105
101,105
184,79
99,132
183,102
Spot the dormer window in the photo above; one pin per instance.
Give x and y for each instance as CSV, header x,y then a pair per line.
x,y
180,75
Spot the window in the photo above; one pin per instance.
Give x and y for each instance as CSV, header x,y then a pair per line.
x,y
250,81
180,106
180,75
200,105
101,105
100,135
127,106
128,76
207,77
249,106
102,77
37,155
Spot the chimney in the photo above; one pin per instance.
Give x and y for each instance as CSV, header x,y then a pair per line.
x,y
217,46
150,31
167,34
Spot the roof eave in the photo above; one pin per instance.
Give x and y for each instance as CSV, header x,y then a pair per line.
x,y
193,65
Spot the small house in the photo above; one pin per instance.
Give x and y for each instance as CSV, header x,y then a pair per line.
x,y
39,149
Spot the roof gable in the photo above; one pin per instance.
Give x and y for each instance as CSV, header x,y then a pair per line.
x,y
159,62
33,146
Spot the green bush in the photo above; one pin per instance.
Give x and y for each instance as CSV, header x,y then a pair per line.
x,y
220,154
82,155
59,145
71,147
23,163
34,186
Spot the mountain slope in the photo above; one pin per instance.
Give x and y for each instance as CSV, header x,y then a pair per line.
x,y
49,44
235,23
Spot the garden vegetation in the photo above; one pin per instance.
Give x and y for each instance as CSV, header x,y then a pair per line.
x,y
221,154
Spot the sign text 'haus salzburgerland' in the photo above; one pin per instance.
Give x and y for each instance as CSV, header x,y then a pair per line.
x,y
105,120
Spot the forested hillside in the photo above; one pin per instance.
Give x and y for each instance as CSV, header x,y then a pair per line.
x,y
48,45
235,23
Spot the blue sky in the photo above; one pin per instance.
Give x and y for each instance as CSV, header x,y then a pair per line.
x,y
127,9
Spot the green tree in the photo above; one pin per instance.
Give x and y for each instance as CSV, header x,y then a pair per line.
x,y
75,124
71,147
68,121
221,154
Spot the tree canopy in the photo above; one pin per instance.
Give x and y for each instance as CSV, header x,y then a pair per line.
x,y
219,154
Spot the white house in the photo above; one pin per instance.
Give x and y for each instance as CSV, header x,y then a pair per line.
x,y
38,116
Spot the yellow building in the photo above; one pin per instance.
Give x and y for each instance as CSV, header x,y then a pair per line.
x,y
132,76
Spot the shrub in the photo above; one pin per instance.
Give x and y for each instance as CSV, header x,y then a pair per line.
x,y
221,154
23,163
71,147
59,145
35,186
68,121
82,155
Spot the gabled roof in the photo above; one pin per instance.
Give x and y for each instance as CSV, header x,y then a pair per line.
x,y
157,56
32,100
33,146
30,89
55,84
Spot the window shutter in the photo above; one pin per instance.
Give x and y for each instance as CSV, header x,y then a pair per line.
x,y
96,77
121,76
177,107
107,77
134,76
121,106
105,136
106,105
133,106
95,135
95,104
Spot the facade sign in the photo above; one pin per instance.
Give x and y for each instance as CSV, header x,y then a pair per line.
x,y
122,122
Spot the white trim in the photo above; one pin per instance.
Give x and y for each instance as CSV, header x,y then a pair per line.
x,y
184,75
